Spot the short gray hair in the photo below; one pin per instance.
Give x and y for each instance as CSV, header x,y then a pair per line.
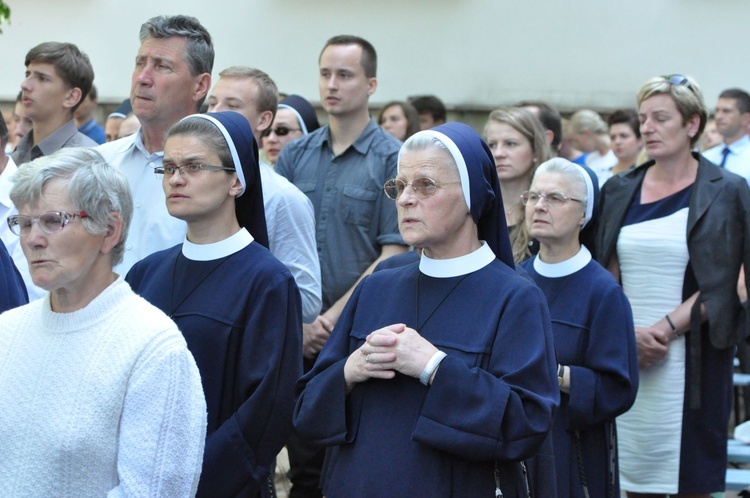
x,y
571,172
92,185
200,48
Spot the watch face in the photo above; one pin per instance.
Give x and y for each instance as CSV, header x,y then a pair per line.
x,y
560,379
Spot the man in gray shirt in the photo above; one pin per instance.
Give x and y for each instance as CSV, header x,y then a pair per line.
x,y
58,78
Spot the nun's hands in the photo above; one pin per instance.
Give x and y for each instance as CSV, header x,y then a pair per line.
x,y
395,348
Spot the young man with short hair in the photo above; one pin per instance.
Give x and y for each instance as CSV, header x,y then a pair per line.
x,y
342,168
58,78
290,219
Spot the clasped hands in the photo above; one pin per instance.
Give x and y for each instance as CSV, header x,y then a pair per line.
x,y
391,349
652,344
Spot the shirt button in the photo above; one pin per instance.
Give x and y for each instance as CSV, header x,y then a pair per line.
x,y
328,189
138,204
128,247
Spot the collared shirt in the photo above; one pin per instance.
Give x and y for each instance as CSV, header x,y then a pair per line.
x,y
290,221
94,131
65,136
152,228
738,160
353,217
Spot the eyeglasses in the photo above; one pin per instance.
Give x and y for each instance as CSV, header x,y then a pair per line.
x,y
422,187
51,222
281,131
190,169
554,200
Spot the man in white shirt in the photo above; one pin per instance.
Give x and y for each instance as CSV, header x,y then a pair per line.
x,y
732,122
171,78
290,218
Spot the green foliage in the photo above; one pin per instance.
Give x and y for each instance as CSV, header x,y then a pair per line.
x,y
4,14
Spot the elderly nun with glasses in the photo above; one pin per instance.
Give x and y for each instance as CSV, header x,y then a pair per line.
x,y
593,328
237,305
440,376
100,395
675,231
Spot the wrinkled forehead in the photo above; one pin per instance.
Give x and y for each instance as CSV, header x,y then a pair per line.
x,y
431,160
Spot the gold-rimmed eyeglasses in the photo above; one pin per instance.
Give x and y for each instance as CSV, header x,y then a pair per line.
x,y
422,187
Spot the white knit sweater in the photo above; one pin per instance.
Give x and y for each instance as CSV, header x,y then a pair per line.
x,y
104,400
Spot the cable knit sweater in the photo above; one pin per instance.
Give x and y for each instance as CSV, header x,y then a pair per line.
x,y
106,400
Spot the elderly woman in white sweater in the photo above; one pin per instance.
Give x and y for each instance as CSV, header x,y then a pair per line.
x,y
99,393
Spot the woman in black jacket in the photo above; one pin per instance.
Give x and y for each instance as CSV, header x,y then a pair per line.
x,y
675,232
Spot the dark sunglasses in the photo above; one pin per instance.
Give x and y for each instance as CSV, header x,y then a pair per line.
x,y
280,131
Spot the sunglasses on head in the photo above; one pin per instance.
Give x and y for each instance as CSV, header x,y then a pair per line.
x,y
678,80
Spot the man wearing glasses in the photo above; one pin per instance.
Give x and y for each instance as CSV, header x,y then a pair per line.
x,y
342,168
290,219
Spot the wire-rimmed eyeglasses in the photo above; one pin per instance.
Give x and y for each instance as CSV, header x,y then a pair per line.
x,y
552,199
190,169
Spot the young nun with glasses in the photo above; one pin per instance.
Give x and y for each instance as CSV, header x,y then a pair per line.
x,y
237,305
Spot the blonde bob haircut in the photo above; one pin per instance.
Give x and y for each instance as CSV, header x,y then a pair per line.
x,y
685,93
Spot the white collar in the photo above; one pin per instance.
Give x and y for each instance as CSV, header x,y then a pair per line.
x,y
217,250
564,268
455,267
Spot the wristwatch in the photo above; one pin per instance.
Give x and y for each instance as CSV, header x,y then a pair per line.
x,y
560,375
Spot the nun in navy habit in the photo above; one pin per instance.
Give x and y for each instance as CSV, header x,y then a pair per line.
x,y
238,306
593,329
439,377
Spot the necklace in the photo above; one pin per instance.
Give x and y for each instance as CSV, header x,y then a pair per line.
x,y
172,306
419,278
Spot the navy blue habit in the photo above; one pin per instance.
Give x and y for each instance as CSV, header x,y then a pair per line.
x,y
241,316
491,401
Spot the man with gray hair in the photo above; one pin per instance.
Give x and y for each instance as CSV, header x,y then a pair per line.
x,y
171,78
290,218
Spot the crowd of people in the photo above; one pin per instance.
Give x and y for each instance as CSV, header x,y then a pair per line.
x,y
549,308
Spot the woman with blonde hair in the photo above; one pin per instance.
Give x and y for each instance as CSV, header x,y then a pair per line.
x,y
658,235
518,143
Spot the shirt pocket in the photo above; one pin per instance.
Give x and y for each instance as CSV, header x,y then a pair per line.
x,y
358,205
571,342
306,187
